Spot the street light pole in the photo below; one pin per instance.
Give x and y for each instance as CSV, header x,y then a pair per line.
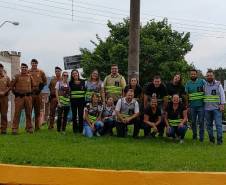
x,y
134,39
11,22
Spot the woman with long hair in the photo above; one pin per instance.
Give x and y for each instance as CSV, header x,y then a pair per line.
x,y
78,90
92,117
94,84
63,98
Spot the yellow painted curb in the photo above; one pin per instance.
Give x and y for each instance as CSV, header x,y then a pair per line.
x,y
31,175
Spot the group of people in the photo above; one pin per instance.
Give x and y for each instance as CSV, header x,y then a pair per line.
x,y
99,106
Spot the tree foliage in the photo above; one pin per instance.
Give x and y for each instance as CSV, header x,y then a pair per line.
x,y
220,74
162,51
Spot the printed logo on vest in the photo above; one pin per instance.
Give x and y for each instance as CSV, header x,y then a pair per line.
x,y
214,92
117,83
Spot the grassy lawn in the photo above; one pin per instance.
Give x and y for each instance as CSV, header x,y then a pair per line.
x,y
49,148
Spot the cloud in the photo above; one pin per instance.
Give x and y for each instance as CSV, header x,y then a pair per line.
x,y
208,52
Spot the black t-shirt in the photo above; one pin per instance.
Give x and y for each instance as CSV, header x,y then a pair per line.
x,y
153,116
161,91
177,114
175,89
78,87
137,91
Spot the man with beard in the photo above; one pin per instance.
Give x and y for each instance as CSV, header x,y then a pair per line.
x,y
214,99
157,89
195,91
127,112
52,97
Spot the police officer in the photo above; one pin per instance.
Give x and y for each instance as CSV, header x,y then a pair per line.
x,y
52,97
21,86
114,84
4,89
40,81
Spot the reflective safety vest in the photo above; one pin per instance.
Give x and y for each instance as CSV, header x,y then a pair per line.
x,y
64,101
92,118
212,99
174,122
89,94
196,96
114,90
77,94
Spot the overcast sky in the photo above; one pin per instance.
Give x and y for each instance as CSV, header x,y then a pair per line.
x,y
51,36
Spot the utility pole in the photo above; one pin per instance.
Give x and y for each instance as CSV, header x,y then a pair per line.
x,y
134,39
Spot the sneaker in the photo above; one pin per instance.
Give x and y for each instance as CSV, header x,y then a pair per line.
x,y
97,134
181,141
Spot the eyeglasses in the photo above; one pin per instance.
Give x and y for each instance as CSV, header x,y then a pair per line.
x,y
65,75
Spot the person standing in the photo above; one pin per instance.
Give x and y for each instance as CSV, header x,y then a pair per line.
x,y
94,84
176,119
63,99
4,90
133,84
21,86
214,100
195,90
114,84
52,98
40,81
78,90
176,87
127,112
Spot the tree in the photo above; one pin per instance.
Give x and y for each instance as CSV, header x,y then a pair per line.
x,y
162,51
220,74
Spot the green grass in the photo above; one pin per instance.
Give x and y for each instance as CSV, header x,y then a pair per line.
x,y
49,148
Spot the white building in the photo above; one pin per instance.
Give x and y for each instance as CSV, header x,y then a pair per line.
x,y
11,63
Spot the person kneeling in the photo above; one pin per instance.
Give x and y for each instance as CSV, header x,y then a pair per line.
x,y
176,119
92,117
108,116
127,112
152,118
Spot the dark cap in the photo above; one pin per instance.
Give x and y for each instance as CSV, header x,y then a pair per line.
x,y
34,60
1,65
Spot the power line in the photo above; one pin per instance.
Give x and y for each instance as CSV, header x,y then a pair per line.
x,y
43,4
183,26
30,7
52,16
104,15
182,19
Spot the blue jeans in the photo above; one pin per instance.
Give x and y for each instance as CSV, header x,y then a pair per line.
x,y
87,130
197,112
179,131
214,115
